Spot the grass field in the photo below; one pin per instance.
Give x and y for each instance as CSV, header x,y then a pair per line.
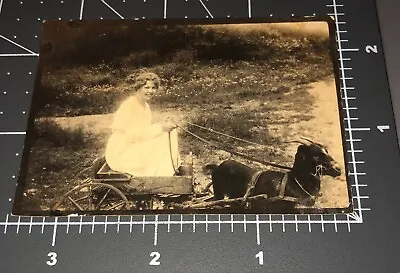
x,y
252,84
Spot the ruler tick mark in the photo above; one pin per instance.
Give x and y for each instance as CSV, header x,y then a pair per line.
x,y
270,223
356,162
6,224
93,223
356,174
349,49
53,242
18,223
43,224
335,222
358,129
155,230
348,224
30,225
322,223
130,224
258,229
68,223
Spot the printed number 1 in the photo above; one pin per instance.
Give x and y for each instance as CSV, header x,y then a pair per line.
x,y
260,256
382,128
155,256
371,49
53,259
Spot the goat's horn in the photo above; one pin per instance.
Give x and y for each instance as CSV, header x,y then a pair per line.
x,y
316,143
296,141
305,138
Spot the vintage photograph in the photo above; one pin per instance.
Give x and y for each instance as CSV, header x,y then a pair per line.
x,y
215,116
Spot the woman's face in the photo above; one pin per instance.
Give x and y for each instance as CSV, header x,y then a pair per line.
x,y
147,90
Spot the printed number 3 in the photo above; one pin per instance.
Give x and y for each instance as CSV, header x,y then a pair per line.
x,y
155,256
53,259
371,49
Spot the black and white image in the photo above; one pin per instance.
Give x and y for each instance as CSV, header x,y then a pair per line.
x,y
134,117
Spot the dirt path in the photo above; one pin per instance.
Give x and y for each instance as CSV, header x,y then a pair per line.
x,y
100,124
326,125
325,128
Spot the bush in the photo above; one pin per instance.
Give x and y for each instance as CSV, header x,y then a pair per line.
x,y
138,59
129,44
184,56
196,64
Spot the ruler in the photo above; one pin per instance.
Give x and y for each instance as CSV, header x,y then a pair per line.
x,y
363,241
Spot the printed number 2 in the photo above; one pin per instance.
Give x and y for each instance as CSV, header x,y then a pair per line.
x,y
155,256
260,256
372,48
53,259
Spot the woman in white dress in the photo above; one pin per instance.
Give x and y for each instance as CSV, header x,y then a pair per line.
x,y
138,146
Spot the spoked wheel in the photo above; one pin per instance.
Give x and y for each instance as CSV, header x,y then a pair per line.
x,y
209,189
91,196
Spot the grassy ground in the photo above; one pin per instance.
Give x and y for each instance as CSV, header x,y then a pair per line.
x,y
237,84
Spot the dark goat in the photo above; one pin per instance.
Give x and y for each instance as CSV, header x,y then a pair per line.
x,y
231,178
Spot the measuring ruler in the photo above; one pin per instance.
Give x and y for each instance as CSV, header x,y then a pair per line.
x,y
363,241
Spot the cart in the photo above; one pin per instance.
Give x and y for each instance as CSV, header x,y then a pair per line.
x,y
99,188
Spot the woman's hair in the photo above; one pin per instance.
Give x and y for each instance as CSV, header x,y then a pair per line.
x,y
142,78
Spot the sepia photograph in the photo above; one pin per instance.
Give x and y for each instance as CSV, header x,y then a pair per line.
x,y
185,116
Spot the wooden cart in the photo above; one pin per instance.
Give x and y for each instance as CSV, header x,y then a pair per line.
x,y
101,189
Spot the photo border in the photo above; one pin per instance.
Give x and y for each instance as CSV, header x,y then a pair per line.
x,y
18,200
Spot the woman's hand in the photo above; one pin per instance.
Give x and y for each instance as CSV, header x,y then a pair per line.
x,y
168,126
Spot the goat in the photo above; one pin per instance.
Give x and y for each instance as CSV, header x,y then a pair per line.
x,y
231,179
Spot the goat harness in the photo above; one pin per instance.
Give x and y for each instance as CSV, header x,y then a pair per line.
x,y
282,188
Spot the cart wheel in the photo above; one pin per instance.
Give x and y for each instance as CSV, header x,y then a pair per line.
x,y
93,196
209,188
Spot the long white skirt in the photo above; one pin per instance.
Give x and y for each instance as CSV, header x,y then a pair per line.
x,y
154,157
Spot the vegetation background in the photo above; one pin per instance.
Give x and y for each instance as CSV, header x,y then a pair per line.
x,y
266,83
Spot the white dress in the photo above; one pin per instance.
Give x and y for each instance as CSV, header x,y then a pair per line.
x,y
139,147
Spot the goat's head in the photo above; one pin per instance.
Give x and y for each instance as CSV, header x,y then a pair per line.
x,y
317,157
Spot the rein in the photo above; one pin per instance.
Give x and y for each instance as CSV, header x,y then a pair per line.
x,y
226,135
236,153
170,153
